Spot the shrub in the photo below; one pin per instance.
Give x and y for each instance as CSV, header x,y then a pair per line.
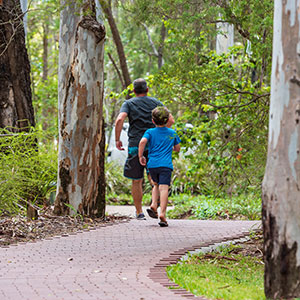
x,y
208,207
28,169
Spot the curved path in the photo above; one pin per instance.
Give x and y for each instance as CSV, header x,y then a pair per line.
x,y
122,261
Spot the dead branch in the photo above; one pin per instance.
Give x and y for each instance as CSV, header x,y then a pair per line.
x,y
150,40
220,257
117,70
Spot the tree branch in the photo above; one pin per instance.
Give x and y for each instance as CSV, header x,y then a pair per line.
x,y
117,70
150,40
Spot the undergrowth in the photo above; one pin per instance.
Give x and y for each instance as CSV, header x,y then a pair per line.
x,y
208,207
28,169
193,206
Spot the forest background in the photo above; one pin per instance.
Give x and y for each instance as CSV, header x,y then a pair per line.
x,y
173,45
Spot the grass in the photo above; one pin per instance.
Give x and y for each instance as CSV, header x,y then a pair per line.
x,y
247,207
220,276
207,207
28,169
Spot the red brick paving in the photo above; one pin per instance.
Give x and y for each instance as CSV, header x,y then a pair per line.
x,y
123,261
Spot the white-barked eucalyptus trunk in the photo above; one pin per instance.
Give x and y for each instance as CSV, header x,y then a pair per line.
x,y
81,183
281,185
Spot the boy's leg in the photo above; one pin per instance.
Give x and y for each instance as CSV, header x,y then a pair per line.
x,y
152,211
152,184
163,192
155,194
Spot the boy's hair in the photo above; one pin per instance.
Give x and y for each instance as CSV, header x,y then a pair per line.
x,y
160,115
140,86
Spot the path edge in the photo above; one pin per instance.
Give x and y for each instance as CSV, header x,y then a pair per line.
x,y
158,272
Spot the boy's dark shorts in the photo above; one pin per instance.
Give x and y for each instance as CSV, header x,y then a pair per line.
x,y
133,169
161,175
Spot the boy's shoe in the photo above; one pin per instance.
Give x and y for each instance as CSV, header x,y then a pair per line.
x,y
163,224
152,213
140,216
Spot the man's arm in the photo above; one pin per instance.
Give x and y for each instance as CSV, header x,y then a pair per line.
x,y
118,128
142,145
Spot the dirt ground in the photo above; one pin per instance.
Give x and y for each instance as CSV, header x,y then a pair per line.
x,y
15,229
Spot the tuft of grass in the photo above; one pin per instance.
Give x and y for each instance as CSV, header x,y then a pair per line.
x,y
220,276
28,169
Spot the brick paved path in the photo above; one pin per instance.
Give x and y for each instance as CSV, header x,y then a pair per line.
x,y
123,261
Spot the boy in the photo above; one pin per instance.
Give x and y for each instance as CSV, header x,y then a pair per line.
x,y
161,142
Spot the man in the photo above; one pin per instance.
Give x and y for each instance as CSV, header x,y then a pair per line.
x,y
139,112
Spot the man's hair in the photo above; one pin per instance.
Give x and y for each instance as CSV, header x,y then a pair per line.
x,y
160,115
140,86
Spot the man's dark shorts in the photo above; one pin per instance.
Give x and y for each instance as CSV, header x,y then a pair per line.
x,y
161,175
133,169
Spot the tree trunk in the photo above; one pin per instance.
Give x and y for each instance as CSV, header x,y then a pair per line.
x,y
45,50
281,185
106,5
81,184
225,37
160,50
16,109
24,4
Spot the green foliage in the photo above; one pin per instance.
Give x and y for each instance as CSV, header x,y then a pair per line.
x,y
225,96
28,163
75,213
43,50
208,207
118,187
226,149
238,279
116,183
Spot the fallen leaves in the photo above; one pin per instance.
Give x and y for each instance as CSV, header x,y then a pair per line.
x,y
14,229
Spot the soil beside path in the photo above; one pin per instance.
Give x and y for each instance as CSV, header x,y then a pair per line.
x,y
110,262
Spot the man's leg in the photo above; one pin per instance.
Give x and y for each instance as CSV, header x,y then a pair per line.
x,y
137,195
164,193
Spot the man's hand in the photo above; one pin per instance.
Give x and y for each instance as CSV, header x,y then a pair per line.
x,y
143,161
119,145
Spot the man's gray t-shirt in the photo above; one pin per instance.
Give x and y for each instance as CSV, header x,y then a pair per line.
x,y
139,111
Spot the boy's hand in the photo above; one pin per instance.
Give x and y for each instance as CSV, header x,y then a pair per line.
x,y
143,161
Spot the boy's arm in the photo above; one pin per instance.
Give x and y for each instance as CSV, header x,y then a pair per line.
x,y
142,145
177,141
176,148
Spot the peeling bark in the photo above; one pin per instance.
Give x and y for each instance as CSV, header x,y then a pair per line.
x,y
80,113
281,192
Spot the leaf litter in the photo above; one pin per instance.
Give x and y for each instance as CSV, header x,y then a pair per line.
x,y
15,229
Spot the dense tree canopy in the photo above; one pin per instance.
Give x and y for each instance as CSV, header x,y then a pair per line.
x,y
224,96
226,102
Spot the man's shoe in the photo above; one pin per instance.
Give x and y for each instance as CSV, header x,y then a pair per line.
x,y
140,216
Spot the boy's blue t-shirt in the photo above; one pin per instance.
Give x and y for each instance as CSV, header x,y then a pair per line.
x,y
161,141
